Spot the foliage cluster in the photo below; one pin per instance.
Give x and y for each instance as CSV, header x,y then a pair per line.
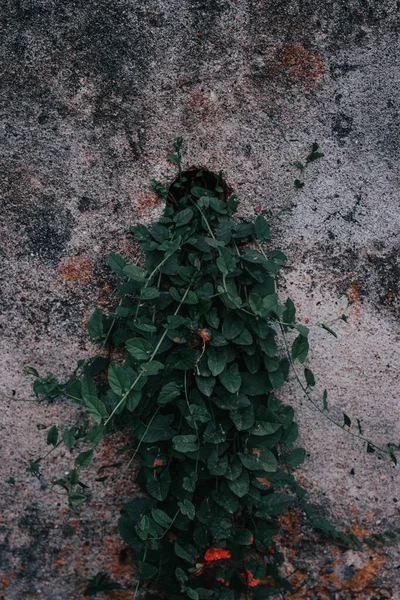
x,y
197,330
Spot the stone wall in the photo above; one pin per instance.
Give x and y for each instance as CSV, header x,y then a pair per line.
x,y
92,95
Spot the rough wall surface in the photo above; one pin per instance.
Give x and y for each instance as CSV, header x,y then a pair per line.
x,y
92,95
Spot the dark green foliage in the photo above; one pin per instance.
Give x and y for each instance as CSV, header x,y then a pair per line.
x,y
197,329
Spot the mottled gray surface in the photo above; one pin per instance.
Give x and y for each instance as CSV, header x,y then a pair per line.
x,y
92,95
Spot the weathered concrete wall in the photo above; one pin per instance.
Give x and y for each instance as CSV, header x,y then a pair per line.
x,y
92,95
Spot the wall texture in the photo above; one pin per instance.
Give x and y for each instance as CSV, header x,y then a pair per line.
x,y
92,95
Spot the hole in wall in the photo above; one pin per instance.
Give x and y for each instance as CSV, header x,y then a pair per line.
x,y
200,177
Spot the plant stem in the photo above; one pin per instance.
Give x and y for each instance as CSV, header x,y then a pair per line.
x,y
319,409
124,397
205,219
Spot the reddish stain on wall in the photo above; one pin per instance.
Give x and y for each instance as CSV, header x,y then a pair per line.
x,y
297,64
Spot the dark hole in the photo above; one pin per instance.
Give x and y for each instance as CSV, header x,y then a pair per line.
x,y
196,176
125,556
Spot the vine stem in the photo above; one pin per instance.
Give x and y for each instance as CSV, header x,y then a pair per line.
x,y
307,394
138,581
151,276
204,217
319,409
132,458
124,397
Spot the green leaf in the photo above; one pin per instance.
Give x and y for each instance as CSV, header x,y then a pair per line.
x,y
183,217
243,537
187,509
280,376
84,459
95,408
197,414
95,326
225,262
168,393
314,156
226,499
158,485
296,457
328,329
243,418
244,339
181,575
31,371
240,486
95,435
325,400
116,263
216,359
189,483
274,504
89,387
185,443
217,465
135,273
347,420
147,571
220,529
262,428
149,293
186,552
151,368
302,329
206,385
262,228
298,184
298,164
268,346
258,459
214,433
118,379
192,594
243,230
139,348
52,436
132,400
159,429
75,499
68,437
173,158
255,384
300,348
310,379
161,518
232,326
231,379
199,192
256,304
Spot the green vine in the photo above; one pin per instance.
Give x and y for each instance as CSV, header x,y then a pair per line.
x,y
198,326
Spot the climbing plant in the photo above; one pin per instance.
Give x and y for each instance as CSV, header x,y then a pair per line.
x,y
203,343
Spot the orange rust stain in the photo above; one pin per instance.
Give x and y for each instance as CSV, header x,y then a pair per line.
x,y
298,64
354,295
105,300
120,563
360,586
198,99
5,582
60,563
77,269
146,200
263,481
